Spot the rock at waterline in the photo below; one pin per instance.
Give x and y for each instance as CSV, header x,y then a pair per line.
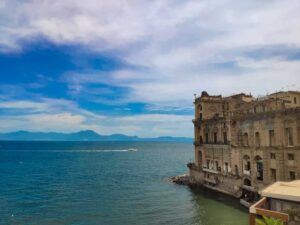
x,y
181,179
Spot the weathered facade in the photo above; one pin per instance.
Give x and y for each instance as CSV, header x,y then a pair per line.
x,y
243,144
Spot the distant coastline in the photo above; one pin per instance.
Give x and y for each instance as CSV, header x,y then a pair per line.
x,y
85,135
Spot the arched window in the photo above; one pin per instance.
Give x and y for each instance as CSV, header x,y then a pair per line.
x,y
247,182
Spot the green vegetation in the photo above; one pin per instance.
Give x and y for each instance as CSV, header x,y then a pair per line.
x,y
268,221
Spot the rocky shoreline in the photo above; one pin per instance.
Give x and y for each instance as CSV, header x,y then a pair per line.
x,y
187,180
183,179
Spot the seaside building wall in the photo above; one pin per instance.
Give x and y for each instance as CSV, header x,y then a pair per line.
x,y
246,143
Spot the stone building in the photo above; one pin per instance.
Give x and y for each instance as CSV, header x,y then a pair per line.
x,y
244,143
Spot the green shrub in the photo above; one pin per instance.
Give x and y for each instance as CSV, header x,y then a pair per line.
x,y
268,221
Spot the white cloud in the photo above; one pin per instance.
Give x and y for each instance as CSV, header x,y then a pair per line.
x,y
171,92
176,41
165,26
179,43
47,115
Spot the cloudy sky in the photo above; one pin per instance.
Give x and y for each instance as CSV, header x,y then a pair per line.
x,y
132,67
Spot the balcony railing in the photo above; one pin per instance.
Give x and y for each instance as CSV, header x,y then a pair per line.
x,y
210,170
216,143
260,209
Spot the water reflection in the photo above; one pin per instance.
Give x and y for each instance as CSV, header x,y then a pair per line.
x,y
212,208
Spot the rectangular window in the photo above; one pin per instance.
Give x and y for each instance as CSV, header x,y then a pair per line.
x,y
245,139
226,167
240,139
272,155
257,139
207,164
292,175
225,137
290,156
217,165
271,137
236,169
206,138
215,138
273,174
201,140
289,136
248,166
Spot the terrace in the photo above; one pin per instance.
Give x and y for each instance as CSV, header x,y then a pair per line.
x,y
280,202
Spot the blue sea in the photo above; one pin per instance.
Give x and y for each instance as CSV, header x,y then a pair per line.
x,y
109,183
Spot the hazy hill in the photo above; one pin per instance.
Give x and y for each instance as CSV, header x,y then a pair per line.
x,y
85,135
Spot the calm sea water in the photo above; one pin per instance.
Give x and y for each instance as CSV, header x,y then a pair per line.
x,y
47,183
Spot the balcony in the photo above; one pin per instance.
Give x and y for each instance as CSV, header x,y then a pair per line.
x,y
210,170
261,208
214,146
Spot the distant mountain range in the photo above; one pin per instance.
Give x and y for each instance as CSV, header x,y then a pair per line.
x,y
85,135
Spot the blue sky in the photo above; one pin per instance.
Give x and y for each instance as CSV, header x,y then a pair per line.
x,y
132,67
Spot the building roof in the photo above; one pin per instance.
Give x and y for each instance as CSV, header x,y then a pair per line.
x,y
283,190
285,92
